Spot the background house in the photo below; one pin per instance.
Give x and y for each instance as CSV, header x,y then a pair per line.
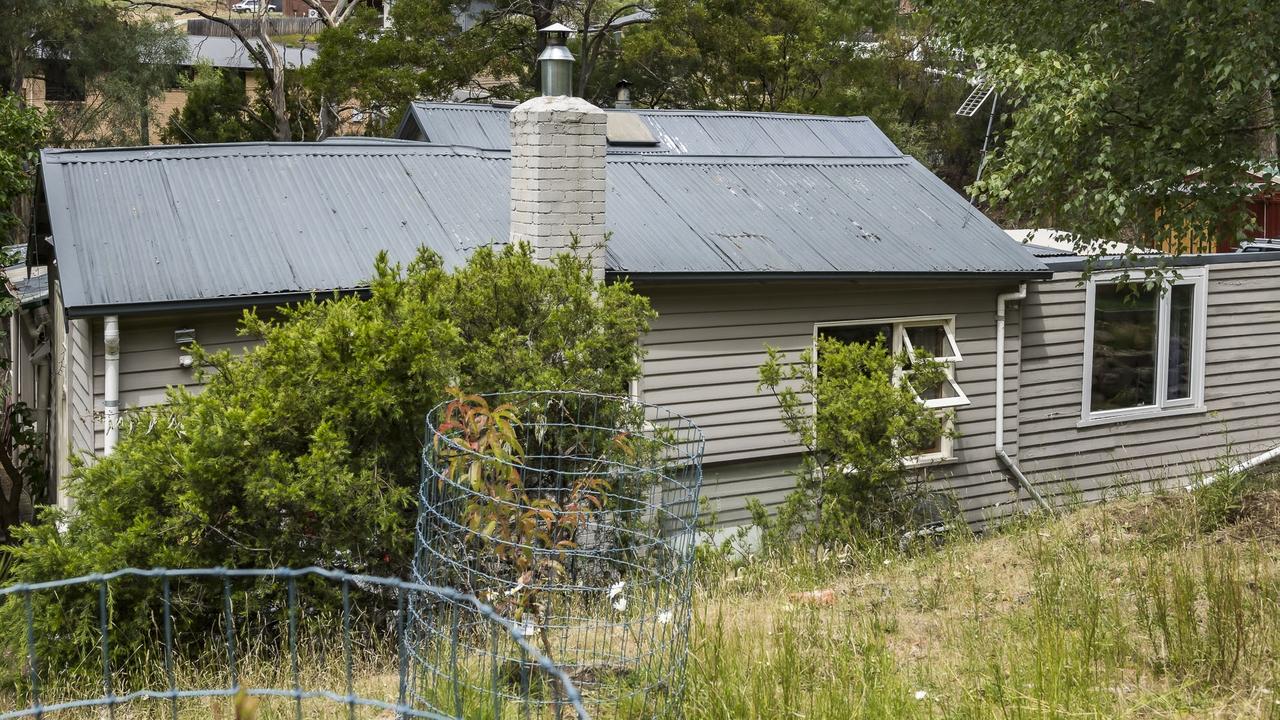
x,y
53,85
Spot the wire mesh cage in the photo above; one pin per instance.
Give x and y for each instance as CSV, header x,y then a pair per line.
x,y
284,643
575,516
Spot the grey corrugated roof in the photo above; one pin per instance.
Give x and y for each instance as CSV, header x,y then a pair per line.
x,y
682,132
228,52
138,227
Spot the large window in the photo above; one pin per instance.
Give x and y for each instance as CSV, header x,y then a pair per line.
x,y
1144,347
934,335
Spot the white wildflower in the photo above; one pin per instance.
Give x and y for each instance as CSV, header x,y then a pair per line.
x,y
921,694
615,594
665,617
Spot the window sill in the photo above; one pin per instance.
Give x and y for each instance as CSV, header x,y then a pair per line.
x,y
929,461
1143,414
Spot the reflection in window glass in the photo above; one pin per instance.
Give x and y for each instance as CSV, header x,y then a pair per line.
x,y
1124,347
1181,303
930,338
861,334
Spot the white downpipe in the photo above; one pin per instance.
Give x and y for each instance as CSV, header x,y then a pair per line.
x,y
1001,455
1240,467
111,383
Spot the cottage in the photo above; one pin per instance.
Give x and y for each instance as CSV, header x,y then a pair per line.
x,y
742,228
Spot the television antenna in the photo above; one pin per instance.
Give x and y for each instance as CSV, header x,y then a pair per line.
x,y
970,107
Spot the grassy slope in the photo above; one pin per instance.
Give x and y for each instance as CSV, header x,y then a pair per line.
x,y
1167,607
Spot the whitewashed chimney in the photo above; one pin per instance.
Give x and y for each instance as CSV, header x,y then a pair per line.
x,y
557,177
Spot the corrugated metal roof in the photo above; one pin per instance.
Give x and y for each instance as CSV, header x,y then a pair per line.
x,y
200,223
682,132
228,52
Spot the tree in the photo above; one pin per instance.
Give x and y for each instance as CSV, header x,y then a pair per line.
x,y
118,63
1132,121
23,132
807,56
436,48
218,110
858,418
260,47
306,450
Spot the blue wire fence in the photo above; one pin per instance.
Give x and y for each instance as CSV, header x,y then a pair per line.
x,y
579,525
52,647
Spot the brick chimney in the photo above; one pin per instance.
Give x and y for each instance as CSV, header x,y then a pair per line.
x,y
557,177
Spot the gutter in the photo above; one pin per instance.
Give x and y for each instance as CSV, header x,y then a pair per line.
x,y
1002,456
789,276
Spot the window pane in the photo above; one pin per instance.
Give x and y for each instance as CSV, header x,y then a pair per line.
x,y
1181,325
865,334
932,339
1124,347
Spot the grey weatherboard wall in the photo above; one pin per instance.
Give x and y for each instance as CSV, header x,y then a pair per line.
x,y
1242,392
708,342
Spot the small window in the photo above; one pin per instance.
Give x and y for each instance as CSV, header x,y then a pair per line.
x,y
934,335
1144,347
60,84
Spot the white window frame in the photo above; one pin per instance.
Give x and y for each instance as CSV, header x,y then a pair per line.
x,y
1196,277
899,343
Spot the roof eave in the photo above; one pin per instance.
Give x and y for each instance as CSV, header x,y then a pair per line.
x,y
730,277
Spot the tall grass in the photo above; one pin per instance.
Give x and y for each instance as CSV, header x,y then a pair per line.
x,y
1163,607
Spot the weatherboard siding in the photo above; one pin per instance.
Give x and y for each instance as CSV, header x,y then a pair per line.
x,y
1242,393
149,358
707,343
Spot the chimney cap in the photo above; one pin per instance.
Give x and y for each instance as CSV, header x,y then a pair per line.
x,y
556,28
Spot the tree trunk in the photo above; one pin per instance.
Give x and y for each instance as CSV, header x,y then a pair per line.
x,y
279,101
1267,150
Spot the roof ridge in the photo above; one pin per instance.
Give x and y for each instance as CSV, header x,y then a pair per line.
x,y
664,111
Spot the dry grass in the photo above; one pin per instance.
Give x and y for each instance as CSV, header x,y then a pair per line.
x,y
1163,607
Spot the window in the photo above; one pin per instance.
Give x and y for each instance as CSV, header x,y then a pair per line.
x,y
1144,347
934,335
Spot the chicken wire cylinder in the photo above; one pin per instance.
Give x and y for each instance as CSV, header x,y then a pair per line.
x,y
579,526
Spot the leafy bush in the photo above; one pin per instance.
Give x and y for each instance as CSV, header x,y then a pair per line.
x,y
859,424
306,449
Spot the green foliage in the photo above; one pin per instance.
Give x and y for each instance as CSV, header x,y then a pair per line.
x,y
379,72
859,421
219,110
1132,121
306,449
215,111
22,133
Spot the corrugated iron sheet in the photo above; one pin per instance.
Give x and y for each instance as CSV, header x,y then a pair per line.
x,y
682,132
199,223
228,52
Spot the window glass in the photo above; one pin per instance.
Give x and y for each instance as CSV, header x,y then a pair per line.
x,y
862,334
1181,326
932,339
1125,323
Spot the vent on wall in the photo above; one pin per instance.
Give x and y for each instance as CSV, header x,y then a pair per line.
x,y
626,128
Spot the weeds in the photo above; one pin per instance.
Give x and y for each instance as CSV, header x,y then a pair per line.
x,y
1164,607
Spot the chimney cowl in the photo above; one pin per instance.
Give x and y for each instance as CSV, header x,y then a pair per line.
x,y
623,99
555,63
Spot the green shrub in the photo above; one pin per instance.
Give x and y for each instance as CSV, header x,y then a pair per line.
x,y
306,449
859,422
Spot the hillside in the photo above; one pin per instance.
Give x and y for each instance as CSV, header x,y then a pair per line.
x,y
1162,607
